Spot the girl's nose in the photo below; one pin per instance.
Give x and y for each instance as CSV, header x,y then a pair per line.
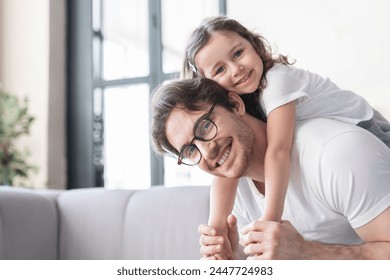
x,y
237,69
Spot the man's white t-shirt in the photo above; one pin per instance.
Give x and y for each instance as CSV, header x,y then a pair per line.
x,y
339,180
316,97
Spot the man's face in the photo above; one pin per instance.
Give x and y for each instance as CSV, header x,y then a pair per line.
x,y
228,154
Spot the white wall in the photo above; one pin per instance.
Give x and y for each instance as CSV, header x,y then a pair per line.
x,y
27,69
345,40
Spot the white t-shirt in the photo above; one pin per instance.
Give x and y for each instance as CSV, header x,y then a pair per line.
x,y
340,180
316,97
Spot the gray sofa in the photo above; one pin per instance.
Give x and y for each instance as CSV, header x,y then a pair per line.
x,y
96,223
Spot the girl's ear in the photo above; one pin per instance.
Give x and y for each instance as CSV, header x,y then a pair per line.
x,y
239,103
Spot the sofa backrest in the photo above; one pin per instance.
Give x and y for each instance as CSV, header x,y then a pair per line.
x,y
167,220
96,223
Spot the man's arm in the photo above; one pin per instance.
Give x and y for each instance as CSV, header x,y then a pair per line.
x,y
270,240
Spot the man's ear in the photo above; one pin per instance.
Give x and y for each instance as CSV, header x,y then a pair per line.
x,y
239,103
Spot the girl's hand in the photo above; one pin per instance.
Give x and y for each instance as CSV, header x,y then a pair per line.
x,y
218,247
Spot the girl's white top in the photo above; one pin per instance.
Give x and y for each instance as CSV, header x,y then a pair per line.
x,y
316,96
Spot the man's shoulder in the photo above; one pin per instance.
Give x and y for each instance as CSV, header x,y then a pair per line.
x,y
323,130
331,138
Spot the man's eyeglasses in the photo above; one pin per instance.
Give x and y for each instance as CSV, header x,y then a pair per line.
x,y
204,130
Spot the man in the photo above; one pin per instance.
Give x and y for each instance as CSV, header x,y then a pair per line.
x,y
337,204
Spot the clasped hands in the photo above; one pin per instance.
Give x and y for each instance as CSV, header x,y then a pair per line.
x,y
260,240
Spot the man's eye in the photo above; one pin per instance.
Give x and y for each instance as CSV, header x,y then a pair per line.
x,y
238,53
207,125
204,128
190,151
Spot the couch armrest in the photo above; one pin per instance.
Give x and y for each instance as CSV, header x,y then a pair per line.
x,y
28,224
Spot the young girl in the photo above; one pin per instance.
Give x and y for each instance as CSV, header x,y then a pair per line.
x,y
225,51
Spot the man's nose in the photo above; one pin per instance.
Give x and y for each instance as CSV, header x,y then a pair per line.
x,y
207,149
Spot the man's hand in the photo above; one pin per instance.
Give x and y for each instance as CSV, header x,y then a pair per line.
x,y
216,247
272,240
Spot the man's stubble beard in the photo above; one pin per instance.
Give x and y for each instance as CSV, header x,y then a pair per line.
x,y
246,140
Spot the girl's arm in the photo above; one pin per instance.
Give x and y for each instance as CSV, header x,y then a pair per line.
x,y
280,132
222,195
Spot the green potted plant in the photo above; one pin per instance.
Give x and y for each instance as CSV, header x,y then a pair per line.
x,y
15,121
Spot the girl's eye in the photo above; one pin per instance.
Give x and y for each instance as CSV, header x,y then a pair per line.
x,y
238,53
220,70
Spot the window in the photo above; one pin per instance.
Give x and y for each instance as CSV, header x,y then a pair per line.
x,y
119,51
126,137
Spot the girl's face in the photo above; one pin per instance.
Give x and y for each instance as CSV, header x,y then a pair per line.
x,y
231,61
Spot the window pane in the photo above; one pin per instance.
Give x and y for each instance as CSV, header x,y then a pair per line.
x,y
179,19
175,37
126,39
127,145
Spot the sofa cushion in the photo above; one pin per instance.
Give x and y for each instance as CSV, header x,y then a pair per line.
x,y
162,223
91,223
158,223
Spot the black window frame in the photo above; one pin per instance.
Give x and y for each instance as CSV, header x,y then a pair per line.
x,y
85,128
